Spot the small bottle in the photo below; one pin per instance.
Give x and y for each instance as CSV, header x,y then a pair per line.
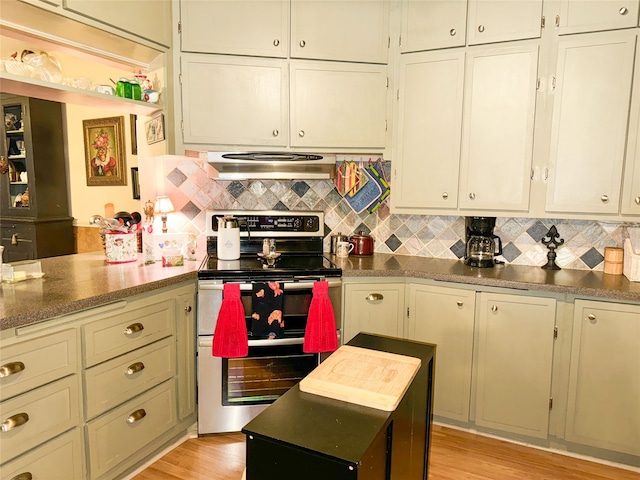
x,y
121,88
265,246
136,90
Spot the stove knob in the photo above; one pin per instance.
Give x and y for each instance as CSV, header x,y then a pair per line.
x,y
297,223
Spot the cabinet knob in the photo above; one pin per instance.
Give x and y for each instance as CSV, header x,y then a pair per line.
x,y
494,308
135,416
452,32
445,195
604,198
134,368
460,303
23,476
472,196
14,239
372,297
481,28
637,200
133,328
591,317
187,309
301,133
276,42
11,368
14,421
275,132
623,11
302,43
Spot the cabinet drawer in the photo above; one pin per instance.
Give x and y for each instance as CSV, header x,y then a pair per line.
x,y
32,363
115,335
116,381
112,439
63,455
50,410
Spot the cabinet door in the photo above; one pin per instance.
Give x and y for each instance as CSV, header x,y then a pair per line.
x,y
631,188
349,30
429,130
498,126
186,353
429,24
241,27
234,101
373,308
604,392
499,21
338,105
515,352
445,317
589,126
577,16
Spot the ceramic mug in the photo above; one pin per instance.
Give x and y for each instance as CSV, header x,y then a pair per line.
x,y
344,249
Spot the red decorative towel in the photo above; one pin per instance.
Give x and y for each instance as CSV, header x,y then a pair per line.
x,y
320,334
230,338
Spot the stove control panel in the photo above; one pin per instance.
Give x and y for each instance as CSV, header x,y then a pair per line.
x,y
271,223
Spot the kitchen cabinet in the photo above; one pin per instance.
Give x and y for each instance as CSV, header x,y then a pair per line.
x,y
604,392
244,27
428,133
33,199
373,308
515,352
499,21
589,125
578,16
348,31
445,317
631,177
498,127
186,353
431,24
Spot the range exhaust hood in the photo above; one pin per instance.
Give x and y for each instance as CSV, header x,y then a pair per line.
x,y
272,165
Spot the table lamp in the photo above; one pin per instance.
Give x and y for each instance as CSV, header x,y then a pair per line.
x,y
163,206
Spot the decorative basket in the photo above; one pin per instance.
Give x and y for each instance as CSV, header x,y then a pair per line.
x,y
631,267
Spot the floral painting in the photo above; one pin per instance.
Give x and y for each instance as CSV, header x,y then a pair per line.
x,y
104,151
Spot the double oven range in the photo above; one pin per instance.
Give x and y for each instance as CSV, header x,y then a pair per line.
x,y
233,391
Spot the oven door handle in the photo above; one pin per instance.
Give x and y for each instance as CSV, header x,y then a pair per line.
x,y
260,343
288,285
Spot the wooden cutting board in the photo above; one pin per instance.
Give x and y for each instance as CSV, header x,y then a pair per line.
x,y
363,376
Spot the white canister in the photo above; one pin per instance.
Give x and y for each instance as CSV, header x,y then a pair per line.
x,y
121,247
228,238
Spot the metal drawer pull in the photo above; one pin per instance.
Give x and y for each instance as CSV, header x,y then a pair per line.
x,y
14,421
591,317
372,297
459,303
623,11
302,43
133,328
137,415
494,308
187,309
472,196
481,28
276,42
275,132
452,32
11,368
637,200
301,133
445,195
23,476
604,198
134,368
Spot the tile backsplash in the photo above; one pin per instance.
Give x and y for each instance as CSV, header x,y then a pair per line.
x,y
192,191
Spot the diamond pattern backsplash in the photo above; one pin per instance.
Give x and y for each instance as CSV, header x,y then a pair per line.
x,y
192,191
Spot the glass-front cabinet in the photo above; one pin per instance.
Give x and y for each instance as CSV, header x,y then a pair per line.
x,y
34,205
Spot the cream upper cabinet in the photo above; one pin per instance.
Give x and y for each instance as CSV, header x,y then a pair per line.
x,y
515,353
429,24
604,393
577,16
234,101
631,188
499,21
445,317
373,308
150,19
498,127
589,125
338,105
241,27
428,132
350,30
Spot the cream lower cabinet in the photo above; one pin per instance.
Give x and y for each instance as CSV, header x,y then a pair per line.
x,y
445,317
373,308
186,352
515,337
604,389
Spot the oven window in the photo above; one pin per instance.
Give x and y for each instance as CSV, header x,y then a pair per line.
x,y
265,374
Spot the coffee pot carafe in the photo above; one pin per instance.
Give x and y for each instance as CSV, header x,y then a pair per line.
x,y
480,248
228,245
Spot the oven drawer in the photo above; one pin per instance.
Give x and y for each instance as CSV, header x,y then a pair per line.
x,y
122,378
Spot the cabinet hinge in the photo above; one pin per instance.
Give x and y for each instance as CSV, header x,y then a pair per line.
x,y
179,27
538,83
389,41
182,126
557,21
180,79
407,312
555,332
387,82
551,403
542,22
398,94
553,82
400,41
386,125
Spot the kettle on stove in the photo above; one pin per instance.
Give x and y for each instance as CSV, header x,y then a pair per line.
x,y
228,238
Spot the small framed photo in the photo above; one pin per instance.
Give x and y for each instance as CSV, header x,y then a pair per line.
x,y
135,183
154,129
105,158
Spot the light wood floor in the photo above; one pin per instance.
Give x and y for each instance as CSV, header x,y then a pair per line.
x,y
455,455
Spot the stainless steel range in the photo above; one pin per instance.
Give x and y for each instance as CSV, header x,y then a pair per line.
x,y
233,391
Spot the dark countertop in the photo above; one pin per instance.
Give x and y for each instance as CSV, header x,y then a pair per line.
x,y
76,282
572,282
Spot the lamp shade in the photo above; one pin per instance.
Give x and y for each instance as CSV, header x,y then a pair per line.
x,y
164,205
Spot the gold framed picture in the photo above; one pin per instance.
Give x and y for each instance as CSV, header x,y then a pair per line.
x,y
104,151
